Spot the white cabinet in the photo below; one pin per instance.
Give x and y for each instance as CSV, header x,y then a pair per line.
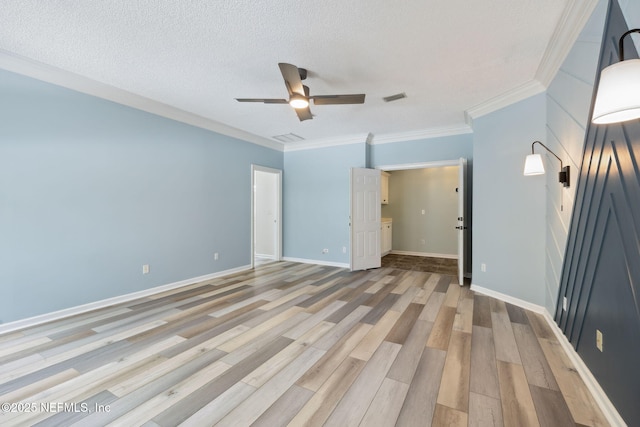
x,y
385,236
384,188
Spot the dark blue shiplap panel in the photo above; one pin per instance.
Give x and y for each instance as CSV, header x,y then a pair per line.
x,y
601,271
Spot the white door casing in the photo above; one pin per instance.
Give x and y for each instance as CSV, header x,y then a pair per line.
x,y
462,228
365,219
276,215
463,233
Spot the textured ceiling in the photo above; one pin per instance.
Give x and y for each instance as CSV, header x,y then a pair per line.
x,y
446,55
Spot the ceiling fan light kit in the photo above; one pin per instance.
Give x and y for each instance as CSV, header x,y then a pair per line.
x,y
299,94
297,101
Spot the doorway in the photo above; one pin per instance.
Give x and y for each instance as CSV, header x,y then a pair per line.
x,y
428,214
266,215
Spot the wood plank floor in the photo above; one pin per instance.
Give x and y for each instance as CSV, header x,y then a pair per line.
x,y
299,345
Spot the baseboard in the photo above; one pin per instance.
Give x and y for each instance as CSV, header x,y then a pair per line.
x,y
265,256
601,398
314,261
508,298
72,311
425,254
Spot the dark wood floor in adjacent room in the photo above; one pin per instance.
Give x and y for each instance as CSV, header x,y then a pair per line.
x,y
421,263
301,345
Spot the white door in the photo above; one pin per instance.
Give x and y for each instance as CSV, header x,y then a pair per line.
x,y
365,219
462,228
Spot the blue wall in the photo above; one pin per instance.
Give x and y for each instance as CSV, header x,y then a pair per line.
x,y
316,189
91,190
508,208
424,150
316,201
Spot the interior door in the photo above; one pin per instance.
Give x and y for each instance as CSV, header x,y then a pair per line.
x,y
365,219
462,228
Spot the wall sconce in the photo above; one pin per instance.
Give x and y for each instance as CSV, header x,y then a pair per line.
x,y
533,165
618,96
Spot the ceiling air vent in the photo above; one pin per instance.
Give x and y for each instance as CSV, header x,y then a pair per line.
x,y
394,97
288,137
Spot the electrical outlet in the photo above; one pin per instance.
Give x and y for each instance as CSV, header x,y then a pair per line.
x,y
215,256
344,249
599,339
483,267
422,211
325,251
145,269
564,303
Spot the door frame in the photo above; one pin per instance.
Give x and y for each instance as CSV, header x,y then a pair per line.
x,y
462,219
278,243
437,164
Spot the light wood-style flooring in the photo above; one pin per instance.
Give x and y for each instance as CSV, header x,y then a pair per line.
x,y
300,345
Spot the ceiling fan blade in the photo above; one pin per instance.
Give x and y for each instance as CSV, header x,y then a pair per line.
x,y
266,101
291,77
304,114
338,99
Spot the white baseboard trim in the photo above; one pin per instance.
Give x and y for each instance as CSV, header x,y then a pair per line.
x,y
265,256
315,261
601,398
507,298
425,254
72,311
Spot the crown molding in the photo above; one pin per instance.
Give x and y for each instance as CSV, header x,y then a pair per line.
x,y
573,19
524,91
420,134
49,74
327,142
419,165
571,23
372,139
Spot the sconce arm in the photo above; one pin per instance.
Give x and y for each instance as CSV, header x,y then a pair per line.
x,y
621,42
546,148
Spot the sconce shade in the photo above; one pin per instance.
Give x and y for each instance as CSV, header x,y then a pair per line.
x,y
618,97
533,165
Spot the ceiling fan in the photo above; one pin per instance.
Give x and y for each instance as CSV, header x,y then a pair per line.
x,y
299,94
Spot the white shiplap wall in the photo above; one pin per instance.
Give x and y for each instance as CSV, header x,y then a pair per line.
x,y
568,106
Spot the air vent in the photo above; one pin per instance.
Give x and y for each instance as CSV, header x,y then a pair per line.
x,y
288,137
394,97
